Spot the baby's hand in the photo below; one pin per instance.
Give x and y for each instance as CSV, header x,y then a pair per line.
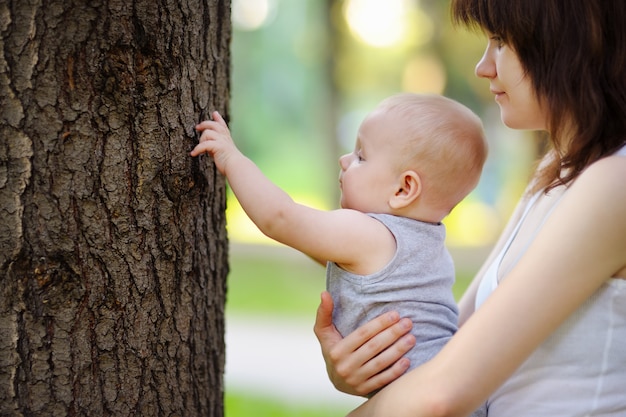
x,y
215,140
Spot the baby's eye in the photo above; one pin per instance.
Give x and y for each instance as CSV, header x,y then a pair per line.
x,y
359,156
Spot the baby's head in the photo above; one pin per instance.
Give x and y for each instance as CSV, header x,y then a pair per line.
x,y
438,139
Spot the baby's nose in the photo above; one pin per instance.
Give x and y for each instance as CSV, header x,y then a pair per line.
x,y
344,161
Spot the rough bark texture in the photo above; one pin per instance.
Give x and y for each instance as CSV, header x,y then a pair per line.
x,y
113,251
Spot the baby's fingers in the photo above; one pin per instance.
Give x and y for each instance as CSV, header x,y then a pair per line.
x,y
219,119
201,148
207,125
218,124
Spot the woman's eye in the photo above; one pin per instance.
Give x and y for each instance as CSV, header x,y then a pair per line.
x,y
497,40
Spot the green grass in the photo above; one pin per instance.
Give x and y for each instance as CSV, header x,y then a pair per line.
x,y
238,404
274,281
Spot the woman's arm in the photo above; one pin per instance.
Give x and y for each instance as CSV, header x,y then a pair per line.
x,y
581,245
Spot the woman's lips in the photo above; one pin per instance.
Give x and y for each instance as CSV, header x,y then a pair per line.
x,y
497,93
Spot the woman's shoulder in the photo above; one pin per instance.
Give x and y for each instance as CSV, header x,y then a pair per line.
x,y
611,168
608,166
604,181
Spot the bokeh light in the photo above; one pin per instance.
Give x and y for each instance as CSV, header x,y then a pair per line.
x,y
249,15
424,74
377,23
241,229
472,223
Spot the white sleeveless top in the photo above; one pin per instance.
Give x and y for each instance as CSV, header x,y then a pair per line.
x,y
580,370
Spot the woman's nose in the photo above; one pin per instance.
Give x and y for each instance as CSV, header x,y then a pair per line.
x,y
485,68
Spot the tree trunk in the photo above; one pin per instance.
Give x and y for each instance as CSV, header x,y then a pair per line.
x,y
113,250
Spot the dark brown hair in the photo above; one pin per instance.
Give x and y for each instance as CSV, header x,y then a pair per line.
x,y
574,52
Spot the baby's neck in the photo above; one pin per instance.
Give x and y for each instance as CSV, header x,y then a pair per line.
x,y
421,213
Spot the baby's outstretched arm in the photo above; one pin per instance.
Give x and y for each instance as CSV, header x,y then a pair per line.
x,y
348,237
258,196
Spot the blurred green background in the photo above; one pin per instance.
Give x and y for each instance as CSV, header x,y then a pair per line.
x,y
305,73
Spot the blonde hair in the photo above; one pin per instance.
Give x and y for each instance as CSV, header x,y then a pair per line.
x,y
443,141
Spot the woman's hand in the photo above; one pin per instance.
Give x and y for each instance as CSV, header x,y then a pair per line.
x,y
370,357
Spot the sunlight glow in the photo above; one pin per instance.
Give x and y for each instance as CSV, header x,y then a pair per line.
x,y
241,229
472,223
378,23
251,15
424,74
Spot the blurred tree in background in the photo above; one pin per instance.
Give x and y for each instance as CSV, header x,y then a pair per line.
x,y
306,72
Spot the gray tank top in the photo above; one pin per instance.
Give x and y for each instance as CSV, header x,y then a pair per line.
x,y
417,283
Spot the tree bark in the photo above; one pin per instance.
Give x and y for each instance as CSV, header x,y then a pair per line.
x,y
113,250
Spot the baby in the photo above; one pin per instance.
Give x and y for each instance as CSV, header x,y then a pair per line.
x,y
416,157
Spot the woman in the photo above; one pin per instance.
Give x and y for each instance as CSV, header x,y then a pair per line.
x,y
543,325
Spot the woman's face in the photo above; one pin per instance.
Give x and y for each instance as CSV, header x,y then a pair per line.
x,y
519,106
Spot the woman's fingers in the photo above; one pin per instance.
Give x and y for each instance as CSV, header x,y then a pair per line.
x,y
375,337
324,317
377,361
391,361
368,358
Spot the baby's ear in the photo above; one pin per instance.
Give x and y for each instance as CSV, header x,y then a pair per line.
x,y
409,189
